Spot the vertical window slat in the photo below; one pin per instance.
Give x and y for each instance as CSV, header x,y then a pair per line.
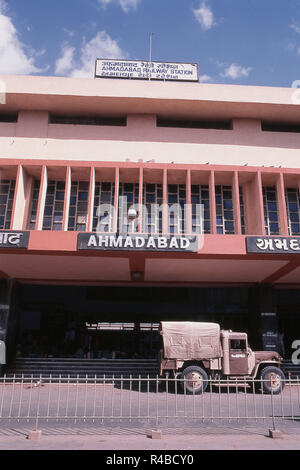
x,y
34,205
176,197
271,210
130,191
200,196
293,210
152,201
224,210
54,206
242,211
104,194
7,193
78,209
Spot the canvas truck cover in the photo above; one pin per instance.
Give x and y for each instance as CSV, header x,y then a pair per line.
x,y
191,340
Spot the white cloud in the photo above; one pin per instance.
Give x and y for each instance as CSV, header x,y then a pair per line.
x,y
290,46
15,57
204,16
235,71
101,46
295,27
204,78
3,6
68,32
126,5
66,62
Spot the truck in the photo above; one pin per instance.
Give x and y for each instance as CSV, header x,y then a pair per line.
x,y
199,352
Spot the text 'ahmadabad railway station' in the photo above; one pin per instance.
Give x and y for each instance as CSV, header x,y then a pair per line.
x,y
77,284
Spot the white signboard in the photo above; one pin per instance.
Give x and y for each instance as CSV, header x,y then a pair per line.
x,y
143,70
94,241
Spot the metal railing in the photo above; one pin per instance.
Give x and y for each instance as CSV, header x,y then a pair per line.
x,y
156,399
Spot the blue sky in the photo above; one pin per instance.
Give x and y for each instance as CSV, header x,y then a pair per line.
x,y
247,42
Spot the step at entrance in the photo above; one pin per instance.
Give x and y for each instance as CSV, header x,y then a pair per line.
x,y
82,367
99,367
292,369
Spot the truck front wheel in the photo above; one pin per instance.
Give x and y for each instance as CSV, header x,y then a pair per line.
x,y
272,380
194,380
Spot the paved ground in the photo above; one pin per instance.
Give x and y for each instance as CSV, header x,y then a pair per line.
x,y
79,417
142,442
88,401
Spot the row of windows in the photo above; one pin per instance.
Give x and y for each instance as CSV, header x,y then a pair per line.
x,y
152,199
266,126
152,215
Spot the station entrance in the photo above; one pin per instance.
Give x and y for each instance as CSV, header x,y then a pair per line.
x,y
114,322
118,322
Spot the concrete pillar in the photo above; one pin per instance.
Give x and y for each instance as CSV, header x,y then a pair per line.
x,y
24,184
236,203
116,201
67,199
165,221
141,187
42,199
188,208
212,203
268,317
254,210
89,225
282,211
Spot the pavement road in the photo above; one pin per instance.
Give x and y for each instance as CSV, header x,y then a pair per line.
x,y
61,409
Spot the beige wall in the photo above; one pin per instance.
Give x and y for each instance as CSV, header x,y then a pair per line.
x,y
33,138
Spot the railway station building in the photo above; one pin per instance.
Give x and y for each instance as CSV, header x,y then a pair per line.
x,y
77,281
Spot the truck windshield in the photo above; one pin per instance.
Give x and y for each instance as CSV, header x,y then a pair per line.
x,y
238,344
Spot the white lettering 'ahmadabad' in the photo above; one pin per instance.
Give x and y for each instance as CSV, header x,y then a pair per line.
x,y
10,238
157,243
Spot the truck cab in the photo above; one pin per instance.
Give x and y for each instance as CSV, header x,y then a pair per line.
x,y
238,358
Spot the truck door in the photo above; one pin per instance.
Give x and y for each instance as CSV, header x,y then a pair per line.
x,y
238,357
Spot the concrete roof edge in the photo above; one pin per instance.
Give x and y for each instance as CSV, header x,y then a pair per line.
x,y
118,88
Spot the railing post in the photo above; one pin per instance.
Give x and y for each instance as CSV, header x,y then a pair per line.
x,y
156,433
273,433
37,433
36,406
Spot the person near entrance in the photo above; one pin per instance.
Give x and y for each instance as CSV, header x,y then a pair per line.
x,y
69,341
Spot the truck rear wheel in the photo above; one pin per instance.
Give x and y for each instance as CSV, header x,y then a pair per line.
x,y
194,380
272,380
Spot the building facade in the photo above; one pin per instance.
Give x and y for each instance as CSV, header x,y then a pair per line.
x,y
69,147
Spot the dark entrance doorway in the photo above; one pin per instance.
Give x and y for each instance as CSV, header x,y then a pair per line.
x,y
116,322
80,339
96,322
